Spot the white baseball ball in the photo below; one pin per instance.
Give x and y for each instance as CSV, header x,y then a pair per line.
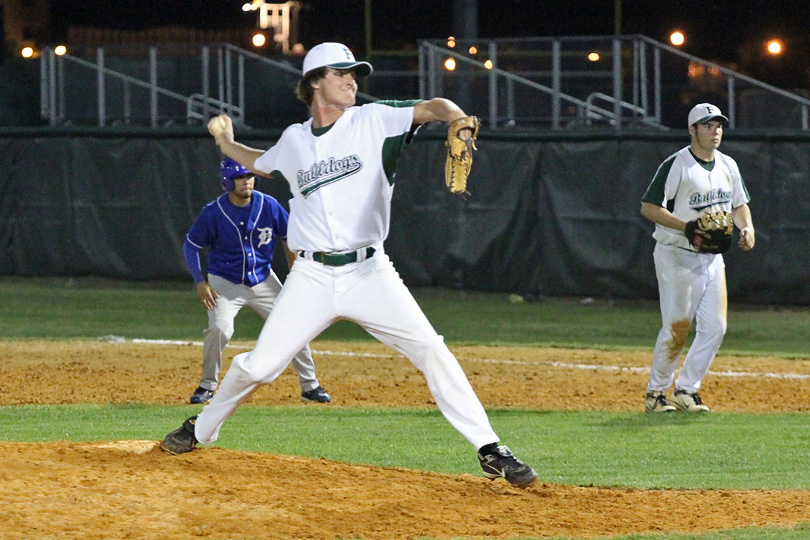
x,y
217,125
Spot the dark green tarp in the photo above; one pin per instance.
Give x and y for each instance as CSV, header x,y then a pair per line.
x,y
550,213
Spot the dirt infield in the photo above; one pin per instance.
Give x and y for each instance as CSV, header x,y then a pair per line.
x,y
128,489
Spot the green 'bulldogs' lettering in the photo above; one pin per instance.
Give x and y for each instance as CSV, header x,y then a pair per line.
x,y
701,201
326,172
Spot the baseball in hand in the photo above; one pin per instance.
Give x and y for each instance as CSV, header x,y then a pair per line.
x,y
217,126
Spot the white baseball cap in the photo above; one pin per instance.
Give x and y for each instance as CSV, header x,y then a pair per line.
x,y
334,55
703,112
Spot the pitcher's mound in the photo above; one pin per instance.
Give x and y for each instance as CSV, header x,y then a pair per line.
x,y
130,489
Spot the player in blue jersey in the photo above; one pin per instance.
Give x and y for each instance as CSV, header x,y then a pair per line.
x,y
241,227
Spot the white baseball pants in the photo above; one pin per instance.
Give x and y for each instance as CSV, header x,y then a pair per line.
x,y
691,286
232,298
371,294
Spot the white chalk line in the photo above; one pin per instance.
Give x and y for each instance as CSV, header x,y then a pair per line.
x,y
563,365
249,347
596,367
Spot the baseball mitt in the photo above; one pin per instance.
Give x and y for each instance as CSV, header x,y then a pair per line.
x,y
710,233
459,155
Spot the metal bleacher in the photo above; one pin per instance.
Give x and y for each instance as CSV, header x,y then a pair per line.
x,y
530,83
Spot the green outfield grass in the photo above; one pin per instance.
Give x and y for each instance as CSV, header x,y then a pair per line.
x,y
797,533
95,308
717,451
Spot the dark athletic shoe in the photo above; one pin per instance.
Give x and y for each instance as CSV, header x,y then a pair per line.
x,y
684,401
201,396
181,440
656,402
318,395
501,463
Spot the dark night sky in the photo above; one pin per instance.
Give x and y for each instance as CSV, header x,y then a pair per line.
x,y
715,29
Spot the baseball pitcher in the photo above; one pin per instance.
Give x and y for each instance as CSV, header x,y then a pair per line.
x,y
340,167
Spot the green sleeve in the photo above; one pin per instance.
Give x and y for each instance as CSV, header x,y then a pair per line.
x,y
399,102
391,150
393,146
745,189
656,191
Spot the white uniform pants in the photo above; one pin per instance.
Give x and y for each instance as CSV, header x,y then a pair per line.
x,y
232,298
371,294
690,286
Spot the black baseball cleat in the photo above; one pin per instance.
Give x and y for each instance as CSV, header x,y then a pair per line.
x,y
499,462
318,395
181,440
201,396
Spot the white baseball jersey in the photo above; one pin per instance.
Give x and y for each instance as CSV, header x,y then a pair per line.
x,y
341,179
341,189
689,187
690,284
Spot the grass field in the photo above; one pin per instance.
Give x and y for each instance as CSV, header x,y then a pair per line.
x,y
726,451
720,451
93,308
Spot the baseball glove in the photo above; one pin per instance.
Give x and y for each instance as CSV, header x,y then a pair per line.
x,y
459,155
710,233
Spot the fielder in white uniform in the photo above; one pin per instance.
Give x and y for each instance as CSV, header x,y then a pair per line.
x,y
340,166
691,285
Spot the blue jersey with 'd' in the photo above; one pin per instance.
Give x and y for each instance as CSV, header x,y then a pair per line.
x,y
242,239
